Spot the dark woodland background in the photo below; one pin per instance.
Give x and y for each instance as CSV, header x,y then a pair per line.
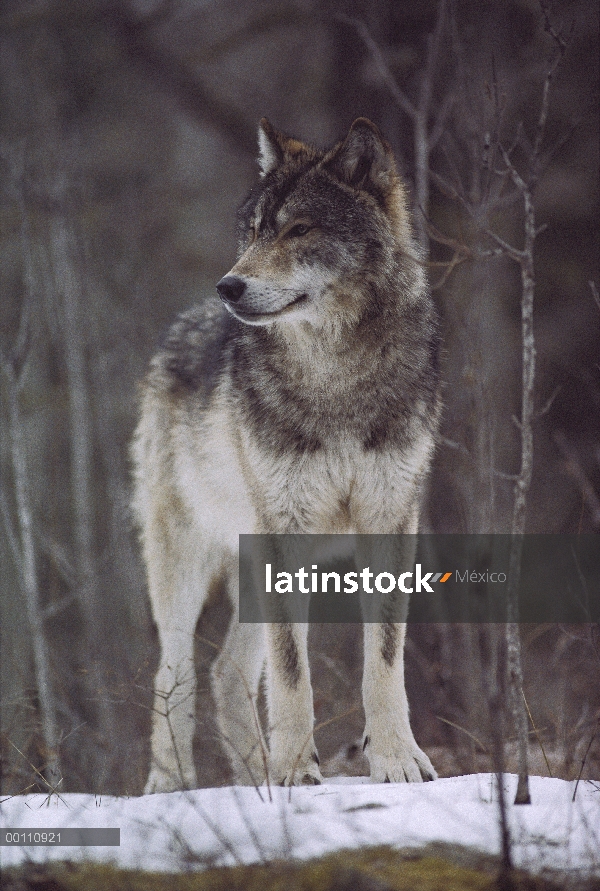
x,y
127,140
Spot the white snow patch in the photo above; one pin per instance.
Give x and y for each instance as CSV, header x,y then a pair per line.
x,y
182,830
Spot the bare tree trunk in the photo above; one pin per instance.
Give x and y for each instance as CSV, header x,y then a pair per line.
x,y
513,639
23,545
525,257
525,186
68,290
41,660
493,681
68,287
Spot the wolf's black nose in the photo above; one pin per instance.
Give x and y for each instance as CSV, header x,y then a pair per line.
x,y
231,288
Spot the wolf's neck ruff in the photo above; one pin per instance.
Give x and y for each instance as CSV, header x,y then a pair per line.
x,y
367,382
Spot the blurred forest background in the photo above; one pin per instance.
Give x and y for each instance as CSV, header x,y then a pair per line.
x,y
127,140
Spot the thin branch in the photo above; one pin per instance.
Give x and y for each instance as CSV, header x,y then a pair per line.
x,y
535,730
441,119
10,529
516,141
464,730
58,606
60,558
15,160
52,786
506,476
458,446
456,260
574,469
451,191
548,403
216,829
511,251
557,36
458,246
423,139
382,67
461,252
561,47
584,759
173,76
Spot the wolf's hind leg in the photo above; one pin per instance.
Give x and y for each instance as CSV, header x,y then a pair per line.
x,y
173,716
177,584
236,676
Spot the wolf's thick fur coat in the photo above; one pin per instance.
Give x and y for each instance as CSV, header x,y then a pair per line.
x,y
308,402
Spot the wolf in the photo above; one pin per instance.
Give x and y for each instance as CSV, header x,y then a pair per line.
x,y
306,401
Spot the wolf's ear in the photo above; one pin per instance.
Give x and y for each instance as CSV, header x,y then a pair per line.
x,y
276,147
363,157
271,150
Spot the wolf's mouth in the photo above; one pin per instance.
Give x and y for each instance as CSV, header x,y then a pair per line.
x,y
263,318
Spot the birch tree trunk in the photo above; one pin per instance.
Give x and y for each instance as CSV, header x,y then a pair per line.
x,y
513,638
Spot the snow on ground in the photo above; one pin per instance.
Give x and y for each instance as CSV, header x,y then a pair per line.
x,y
182,830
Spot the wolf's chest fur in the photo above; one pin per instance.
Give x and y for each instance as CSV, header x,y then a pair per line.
x,y
336,488
231,468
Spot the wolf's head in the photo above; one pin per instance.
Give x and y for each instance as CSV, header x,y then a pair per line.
x,y
321,233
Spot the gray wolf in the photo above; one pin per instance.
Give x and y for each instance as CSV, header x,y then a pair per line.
x,y
306,401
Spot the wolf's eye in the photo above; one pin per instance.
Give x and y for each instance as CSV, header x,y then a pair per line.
x,y
300,229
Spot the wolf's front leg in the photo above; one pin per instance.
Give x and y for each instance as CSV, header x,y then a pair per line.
x,y
293,755
394,756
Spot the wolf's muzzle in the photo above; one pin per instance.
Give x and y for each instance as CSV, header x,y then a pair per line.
x,y
231,288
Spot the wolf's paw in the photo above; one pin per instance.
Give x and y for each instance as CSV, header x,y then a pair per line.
x,y
249,768
304,772
168,781
409,766
249,773
308,777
